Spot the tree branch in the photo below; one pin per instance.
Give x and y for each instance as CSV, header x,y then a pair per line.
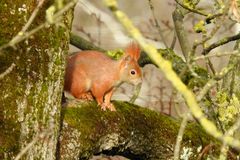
x,y
132,131
191,9
220,42
181,33
83,44
217,54
157,24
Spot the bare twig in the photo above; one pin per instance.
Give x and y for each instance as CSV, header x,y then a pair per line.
x,y
209,18
205,39
22,33
205,89
212,82
99,22
173,41
7,71
230,131
220,42
210,64
191,9
205,150
29,145
27,25
180,136
217,54
157,24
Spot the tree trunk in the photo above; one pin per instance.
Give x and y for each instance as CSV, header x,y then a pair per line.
x,y
31,89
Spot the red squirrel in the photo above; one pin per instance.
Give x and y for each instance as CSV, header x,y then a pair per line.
x,y
92,73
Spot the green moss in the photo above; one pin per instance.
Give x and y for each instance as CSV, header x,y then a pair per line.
x,y
200,27
197,77
147,127
25,101
227,108
177,62
91,121
115,54
189,3
8,145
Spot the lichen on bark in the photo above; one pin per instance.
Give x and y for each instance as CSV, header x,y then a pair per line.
x,y
31,101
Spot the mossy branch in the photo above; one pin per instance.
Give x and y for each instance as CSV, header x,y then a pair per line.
x,y
167,70
134,132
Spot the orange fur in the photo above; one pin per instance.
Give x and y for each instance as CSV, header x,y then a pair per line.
x,y
94,72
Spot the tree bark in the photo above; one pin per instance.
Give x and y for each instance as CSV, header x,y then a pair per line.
x,y
30,101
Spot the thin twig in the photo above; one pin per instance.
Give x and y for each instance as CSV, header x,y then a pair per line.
x,y
157,24
173,41
191,9
210,64
204,151
212,82
7,71
233,77
205,39
205,89
56,18
29,145
27,25
221,42
180,135
209,18
217,54
230,131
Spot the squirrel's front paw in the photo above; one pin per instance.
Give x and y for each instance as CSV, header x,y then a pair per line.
x,y
109,106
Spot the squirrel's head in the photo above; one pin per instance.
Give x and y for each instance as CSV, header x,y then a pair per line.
x,y
130,71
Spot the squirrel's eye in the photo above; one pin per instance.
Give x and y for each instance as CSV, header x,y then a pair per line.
x,y
133,72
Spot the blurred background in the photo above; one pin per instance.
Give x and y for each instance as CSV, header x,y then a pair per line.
x,y
94,22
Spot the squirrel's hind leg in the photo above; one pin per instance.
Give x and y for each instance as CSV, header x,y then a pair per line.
x,y
85,96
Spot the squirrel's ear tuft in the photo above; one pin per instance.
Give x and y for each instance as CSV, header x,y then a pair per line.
x,y
133,50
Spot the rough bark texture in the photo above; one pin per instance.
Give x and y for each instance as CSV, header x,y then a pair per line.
x,y
30,101
131,131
